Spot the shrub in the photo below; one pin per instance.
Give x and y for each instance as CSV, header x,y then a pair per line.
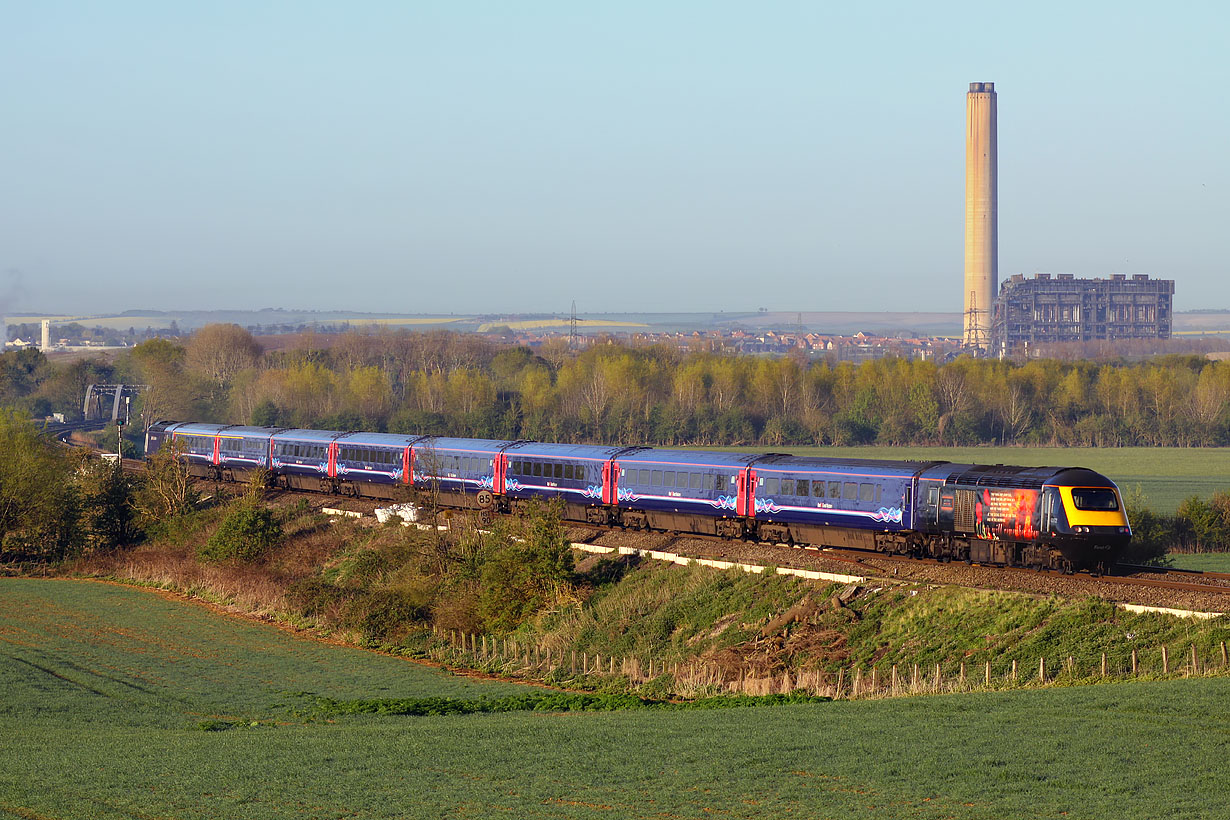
x,y
383,614
522,576
313,597
246,534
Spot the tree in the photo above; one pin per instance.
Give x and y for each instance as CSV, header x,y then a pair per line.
x,y
221,351
38,502
166,490
108,519
245,535
525,572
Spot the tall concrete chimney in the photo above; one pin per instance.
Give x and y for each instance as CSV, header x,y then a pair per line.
x,y
46,345
981,214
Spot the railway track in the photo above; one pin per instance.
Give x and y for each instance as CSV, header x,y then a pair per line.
x,y
1215,588
1211,583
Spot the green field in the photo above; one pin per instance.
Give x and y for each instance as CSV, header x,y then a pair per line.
x,y
107,691
1203,561
1166,474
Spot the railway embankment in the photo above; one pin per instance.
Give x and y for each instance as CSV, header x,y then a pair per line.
x,y
517,601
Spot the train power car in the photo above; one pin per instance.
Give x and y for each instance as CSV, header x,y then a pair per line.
x,y
1062,518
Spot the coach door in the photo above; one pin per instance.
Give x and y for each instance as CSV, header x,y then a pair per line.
x,y
610,482
745,492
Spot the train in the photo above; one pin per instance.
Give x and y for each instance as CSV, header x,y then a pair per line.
x,y
1057,518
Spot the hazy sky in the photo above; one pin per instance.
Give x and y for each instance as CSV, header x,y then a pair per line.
x,y
653,156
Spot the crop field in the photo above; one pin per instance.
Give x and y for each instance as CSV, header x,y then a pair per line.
x,y
1166,474
1203,561
119,702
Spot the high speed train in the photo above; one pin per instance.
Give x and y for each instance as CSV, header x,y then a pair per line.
x,y
1064,518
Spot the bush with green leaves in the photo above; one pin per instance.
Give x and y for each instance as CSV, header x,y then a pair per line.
x,y
247,532
39,504
524,572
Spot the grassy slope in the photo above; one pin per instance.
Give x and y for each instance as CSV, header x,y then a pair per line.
x,y
675,614
109,732
1167,475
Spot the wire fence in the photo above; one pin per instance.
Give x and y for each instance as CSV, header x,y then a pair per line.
x,y
508,657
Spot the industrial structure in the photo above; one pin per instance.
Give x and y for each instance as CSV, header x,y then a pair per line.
x,y
1043,309
981,214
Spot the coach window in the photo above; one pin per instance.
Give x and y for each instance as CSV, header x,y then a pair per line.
x,y
538,468
770,486
644,477
802,487
877,493
708,481
849,491
834,489
681,480
668,478
787,486
866,492
694,481
657,478
817,489
559,470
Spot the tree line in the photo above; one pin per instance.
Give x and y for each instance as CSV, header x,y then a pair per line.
x,y
617,392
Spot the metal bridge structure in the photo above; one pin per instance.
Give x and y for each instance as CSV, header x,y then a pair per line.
x,y
104,399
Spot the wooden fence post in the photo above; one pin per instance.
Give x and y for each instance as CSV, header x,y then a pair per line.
x,y
1223,654
893,684
962,675
574,662
1195,661
1014,669
1165,661
875,679
937,677
1103,664
1134,666
988,673
1042,669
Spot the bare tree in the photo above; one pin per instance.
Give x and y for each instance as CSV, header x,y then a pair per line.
x,y
221,351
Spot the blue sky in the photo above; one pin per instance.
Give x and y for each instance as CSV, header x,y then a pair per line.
x,y
464,156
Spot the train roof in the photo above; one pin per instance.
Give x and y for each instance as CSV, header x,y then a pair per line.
x,y
689,458
1006,475
378,439
849,466
470,445
302,434
540,449
247,432
196,428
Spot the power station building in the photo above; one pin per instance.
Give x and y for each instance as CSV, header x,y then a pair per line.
x,y
1046,309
